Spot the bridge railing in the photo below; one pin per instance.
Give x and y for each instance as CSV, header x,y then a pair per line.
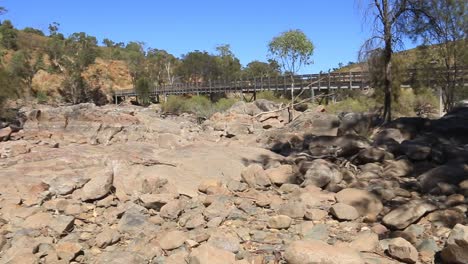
x,y
320,81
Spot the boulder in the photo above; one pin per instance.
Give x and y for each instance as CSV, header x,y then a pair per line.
x,y
366,203
320,173
314,251
344,212
282,174
98,187
279,222
402,250
415,150
407,214
120,257
456,248
107,237
452,173
172,240
255,176
314,123
5,133
207,254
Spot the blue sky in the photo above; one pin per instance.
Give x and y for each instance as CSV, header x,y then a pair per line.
x,y
334,26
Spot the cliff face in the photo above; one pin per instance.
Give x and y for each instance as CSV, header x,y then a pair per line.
x,y
107,75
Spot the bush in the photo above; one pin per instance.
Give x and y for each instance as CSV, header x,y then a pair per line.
x,y
143,90
42,97
198,105
353,104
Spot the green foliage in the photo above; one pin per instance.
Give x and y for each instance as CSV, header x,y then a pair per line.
x,y
8,35
271,96
42,97
33,31
198,105
21,68
256,69
229,66
292,49
161,66
353,104
197,66
7,87
143,89
135,58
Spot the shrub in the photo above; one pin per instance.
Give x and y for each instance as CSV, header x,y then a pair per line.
x,y
42,97
271,96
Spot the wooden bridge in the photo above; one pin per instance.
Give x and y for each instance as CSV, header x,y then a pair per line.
x,y
307,82
311,83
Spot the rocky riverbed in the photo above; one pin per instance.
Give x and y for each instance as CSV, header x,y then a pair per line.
x,y
88,184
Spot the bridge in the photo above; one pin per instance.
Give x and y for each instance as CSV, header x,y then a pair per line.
x,y
307,82
311,83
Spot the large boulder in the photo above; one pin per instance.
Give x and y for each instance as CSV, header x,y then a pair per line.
x,y
343,146
407,214
318,252
366,203
314,123
320,173
456,248
207,254
98,187
451,173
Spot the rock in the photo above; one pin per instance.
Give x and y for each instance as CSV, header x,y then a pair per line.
x,y
225,240
25,258
343,146
255,176
415,150
156,201
12,149
315,214
172,209
207,254
311,122
313,251
370,155
120,257
456,248
314,232
279,222
428,245
365,241
68,251
132,221
206,184
107,237
320,173
344,212
397,168
355,123
282,174
292,209
452,173
97,187
366,203
402,250
5,133
172,240
60,224
407,214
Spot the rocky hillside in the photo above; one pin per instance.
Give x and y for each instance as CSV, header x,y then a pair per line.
x,y
87,184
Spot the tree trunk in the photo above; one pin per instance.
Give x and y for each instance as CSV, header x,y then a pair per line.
x,y
387,56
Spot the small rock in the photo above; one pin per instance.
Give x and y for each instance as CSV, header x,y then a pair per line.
x,y
282,174
315,214
172,240
68,251
320,173
366,203
107,237
456,248
402,250
293,210
365,241
255,176
207,254
156,201
97,187
318,252
344,212
279,222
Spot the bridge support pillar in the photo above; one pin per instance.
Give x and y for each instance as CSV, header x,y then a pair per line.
x,y
157,99
212,98
254,96
116,99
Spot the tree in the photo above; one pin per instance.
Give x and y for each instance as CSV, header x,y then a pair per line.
x,y
135,58
444,25
390,20
293,50
21,67
161,66
80,51
258,69
198,66
229,66
33,31
8,35
7,87
143,88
